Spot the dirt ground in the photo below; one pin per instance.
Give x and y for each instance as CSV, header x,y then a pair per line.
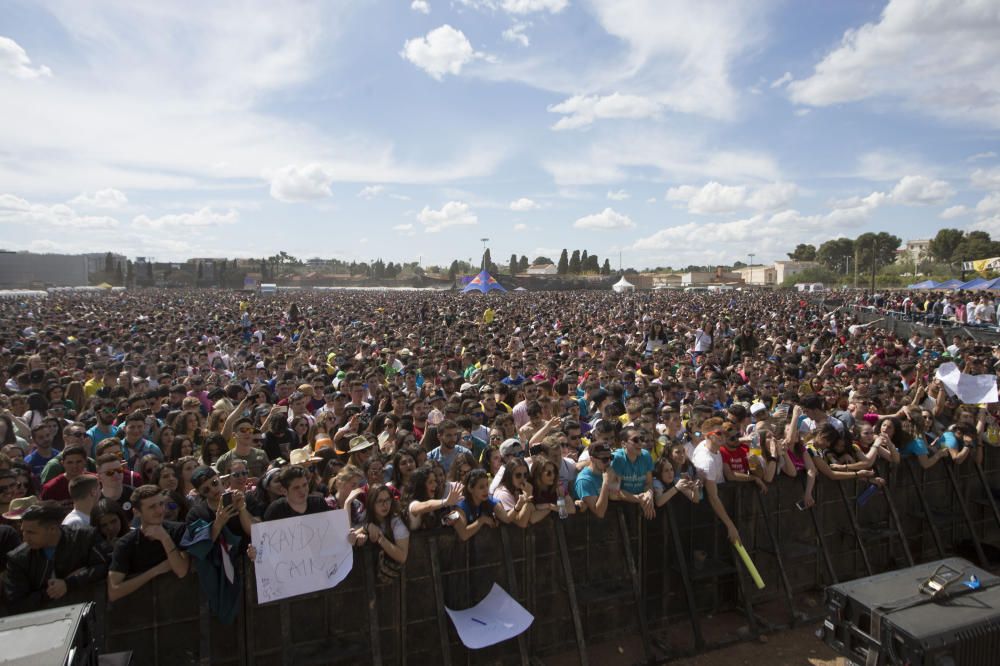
x,y
793,647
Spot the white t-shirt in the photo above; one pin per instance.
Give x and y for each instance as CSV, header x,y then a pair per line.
x,y
76,518
708,463
702,341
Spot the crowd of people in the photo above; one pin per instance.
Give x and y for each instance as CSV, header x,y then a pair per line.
x,y
144,433
934,307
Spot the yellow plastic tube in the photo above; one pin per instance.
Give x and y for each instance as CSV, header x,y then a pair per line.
x,y
745,556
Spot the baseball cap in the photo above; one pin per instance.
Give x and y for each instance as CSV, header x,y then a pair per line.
x,y
757,408
510,447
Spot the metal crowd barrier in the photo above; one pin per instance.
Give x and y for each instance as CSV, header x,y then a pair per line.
x,y
586,580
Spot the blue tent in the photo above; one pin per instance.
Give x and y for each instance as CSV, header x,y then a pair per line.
x,y
973,283
950,284
483,282
986,284
926,284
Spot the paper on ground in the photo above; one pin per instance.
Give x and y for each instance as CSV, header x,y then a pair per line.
x,y
494,619
970,389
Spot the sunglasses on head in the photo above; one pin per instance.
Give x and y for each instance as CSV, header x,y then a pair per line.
x,y
111,473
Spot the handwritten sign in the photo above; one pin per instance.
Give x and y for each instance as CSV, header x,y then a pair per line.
x,y
302,554
970,389
496,618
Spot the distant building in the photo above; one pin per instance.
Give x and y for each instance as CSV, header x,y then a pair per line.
x,y
914,250
97,262
30,270
720,276
543,269
758,274
785,269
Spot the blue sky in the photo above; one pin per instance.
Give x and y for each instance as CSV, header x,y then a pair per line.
x,y
673,132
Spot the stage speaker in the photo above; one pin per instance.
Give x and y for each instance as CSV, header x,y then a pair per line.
x,y
943,613
62,636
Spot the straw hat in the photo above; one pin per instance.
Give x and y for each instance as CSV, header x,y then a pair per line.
x,y
359,443
300,456
19,506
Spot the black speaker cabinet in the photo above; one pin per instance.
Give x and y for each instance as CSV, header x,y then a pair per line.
x,y
943,613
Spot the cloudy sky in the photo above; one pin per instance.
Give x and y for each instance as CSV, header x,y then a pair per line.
x,y
671,131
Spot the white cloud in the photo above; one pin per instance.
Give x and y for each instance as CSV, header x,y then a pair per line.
x,y
989,205
782,80
515,33
986,179
295,183
106,198
444,50
583,110
988,155
618,195
421,6
204,217
520,227
651,200
921,191
371,191
14,61
15,210
954,47
607,219
523,205
519,6
714,197
453,213
952,212
403,227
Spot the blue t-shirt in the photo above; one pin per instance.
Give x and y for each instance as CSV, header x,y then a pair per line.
x,y
949,440
438,455
472,513
917,447
97,435
633,475
36,462
587,484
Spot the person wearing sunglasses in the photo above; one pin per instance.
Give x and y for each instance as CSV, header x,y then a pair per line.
x,y
8,489
594,483
104,428
256,458
711,469
633,465
110,472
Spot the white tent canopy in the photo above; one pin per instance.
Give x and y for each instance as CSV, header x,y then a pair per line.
x,y
623,285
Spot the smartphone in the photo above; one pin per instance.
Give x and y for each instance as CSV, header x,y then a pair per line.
x,y
800,505
227,498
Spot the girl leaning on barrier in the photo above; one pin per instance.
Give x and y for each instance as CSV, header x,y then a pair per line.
x,y
386,532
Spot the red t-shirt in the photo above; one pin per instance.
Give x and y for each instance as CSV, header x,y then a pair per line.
x,y
736,458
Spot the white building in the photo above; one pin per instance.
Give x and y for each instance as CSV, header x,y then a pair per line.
x,y
914,250
543,269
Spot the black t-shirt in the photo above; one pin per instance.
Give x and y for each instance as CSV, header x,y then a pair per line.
x,y
280,508
200,510
273,443
125,501
135,553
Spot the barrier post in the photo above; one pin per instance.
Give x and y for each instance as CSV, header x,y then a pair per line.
x,y
987,491
789,602
682,565
818,530
929,517
855,528
439,601
891,504
636,586
949,467
375,641
574,607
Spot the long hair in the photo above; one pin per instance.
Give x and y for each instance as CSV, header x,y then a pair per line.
x,y
373,494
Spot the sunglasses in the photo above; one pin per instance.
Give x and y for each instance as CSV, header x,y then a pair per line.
x,y
76,434
239,475
603,459
111,473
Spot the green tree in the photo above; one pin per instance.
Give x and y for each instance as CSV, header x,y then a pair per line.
x,y
591,265
119,278
574,263
522,264
129,272
542,260
584,258
815,274
149,273
563,265
512,267
487,260
880,247
606,268
803,252
109,263
944,243
834,253
976,245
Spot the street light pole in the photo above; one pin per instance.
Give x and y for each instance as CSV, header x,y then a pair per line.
x,y
751,255
483,262
874,248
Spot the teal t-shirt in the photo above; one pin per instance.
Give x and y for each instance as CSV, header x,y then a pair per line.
x,y
633,474
917,447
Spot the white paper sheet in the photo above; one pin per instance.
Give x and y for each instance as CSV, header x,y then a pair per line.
x,y
496,618
301,555
970,389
